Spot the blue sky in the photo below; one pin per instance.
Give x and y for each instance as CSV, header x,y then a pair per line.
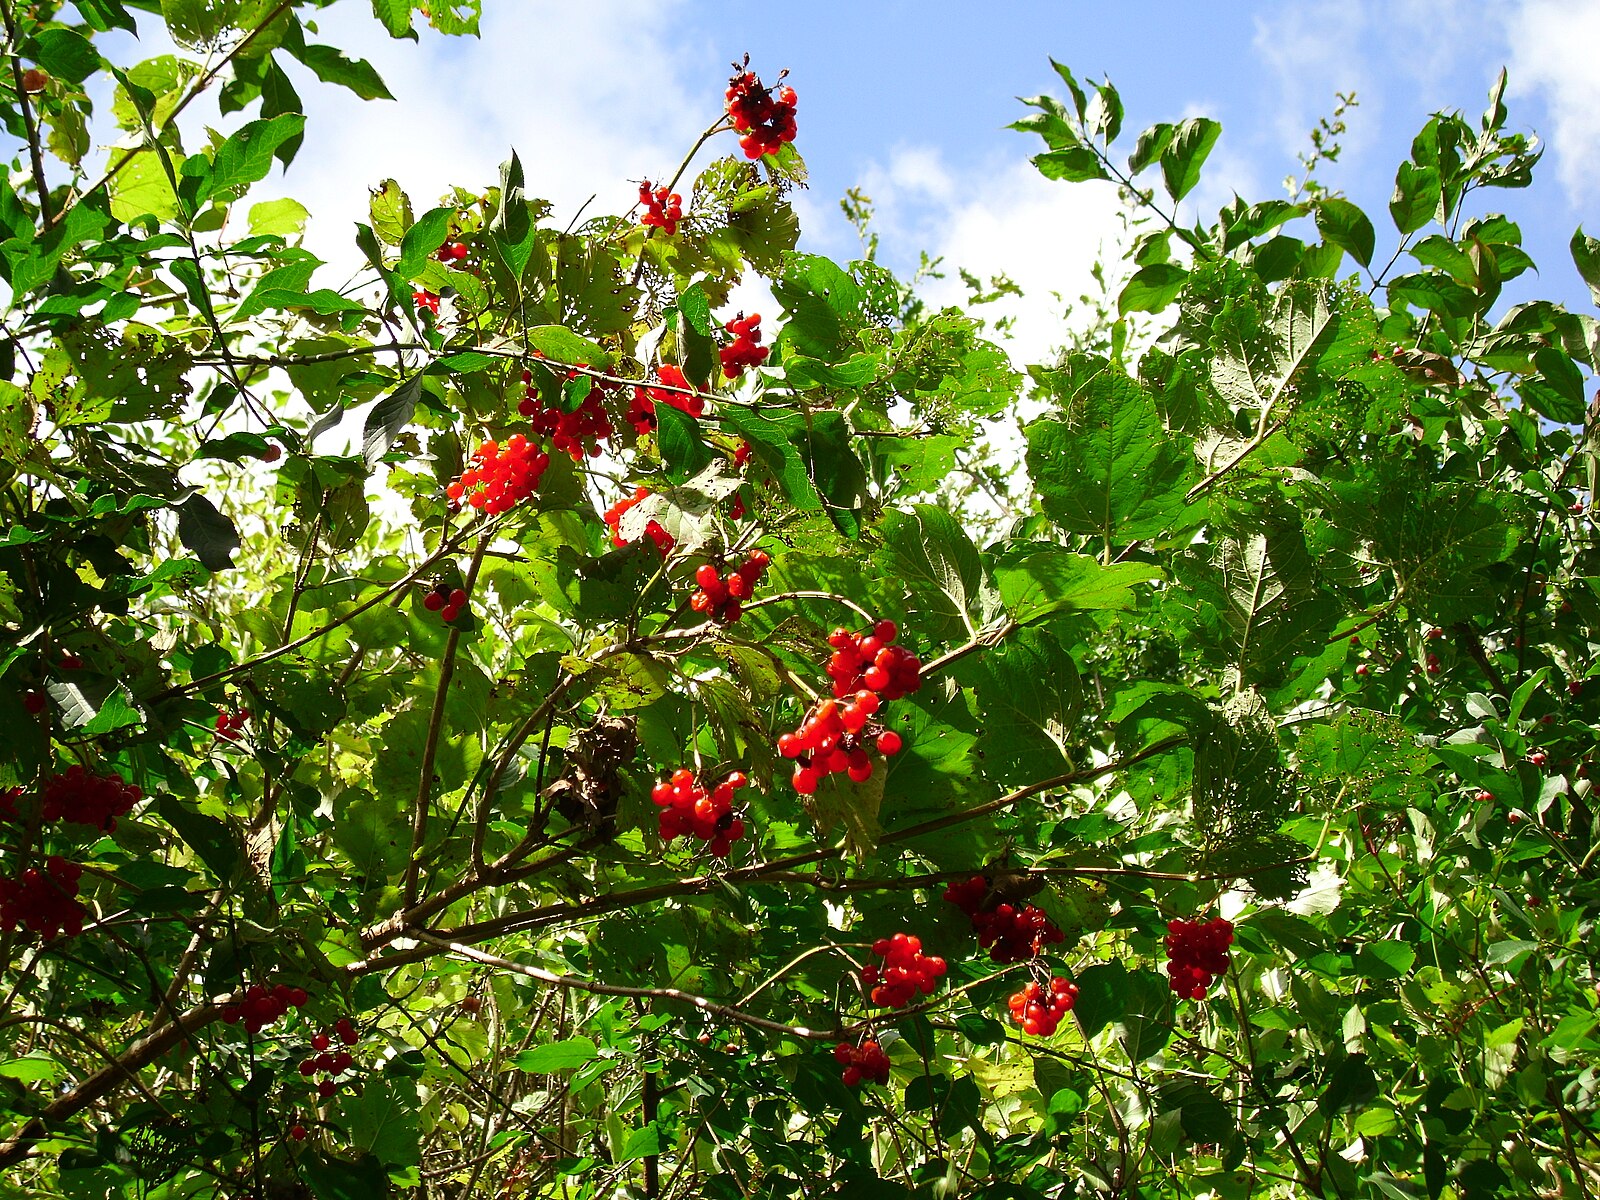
x,y
910,101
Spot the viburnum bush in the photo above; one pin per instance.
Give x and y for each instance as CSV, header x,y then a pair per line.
x,y
498,802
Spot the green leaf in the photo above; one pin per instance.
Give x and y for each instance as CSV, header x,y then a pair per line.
x,y
396,17
246,157
1076,165
560,344
1112,470
1102,996
357,74
683,449
1186,154
1385,960
1416,197
387,418
1038,580
66,54
1152,144
931,555
32,1068
513,231
207,533
337,1179
208,837
383,1120
1152,288
1029,692
422,239
1344,225
566,1055
284,218
1586,257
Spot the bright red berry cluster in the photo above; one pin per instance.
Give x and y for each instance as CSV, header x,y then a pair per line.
x,y
428,300
451,252
746,349
328,1062
1038,1011
661,209
688,810
578,432
906,971
721,598
230,725
502,476
1197,952
445,600
1011,933
833,740
871,661
642,411
654,530
834,736
864,1062
766,120
261,1005
44,901
81,798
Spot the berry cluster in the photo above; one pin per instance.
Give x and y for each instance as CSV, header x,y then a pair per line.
x,y
445,600
44,901
746,349
721,598
906,971
866,1061
502,476
451,252
230,726
654,530
578,432
642,411
1197,952
328,1062
80,798
426,300
871,661
1011,933
1038,1011
688,810
661,209
261,1005
833,739
765,120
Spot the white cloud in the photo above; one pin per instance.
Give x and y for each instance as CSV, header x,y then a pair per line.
x,y
1553,52
590,96
1001,217
1314,50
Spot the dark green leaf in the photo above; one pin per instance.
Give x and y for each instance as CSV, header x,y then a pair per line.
x,y
387,418
207,533
1152,288
247,156
1586,256
1344,225
1186,154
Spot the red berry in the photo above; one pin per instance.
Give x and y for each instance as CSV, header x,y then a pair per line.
x,y
272,454
433,602
297,1132
471,1005
889,743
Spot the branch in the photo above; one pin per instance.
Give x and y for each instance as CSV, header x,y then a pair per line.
x,y
759,872
447,667
141,1054
35,152
448,546
725,1011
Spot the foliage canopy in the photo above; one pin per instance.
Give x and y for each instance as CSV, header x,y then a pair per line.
x,y
1288,616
